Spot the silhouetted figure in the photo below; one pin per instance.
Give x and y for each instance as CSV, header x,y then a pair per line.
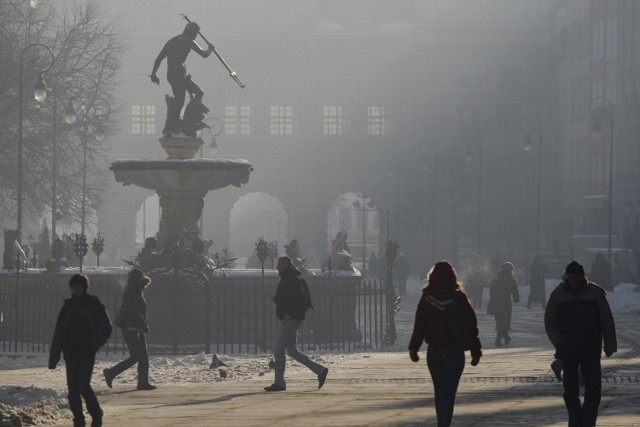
x,y
373,265
496,262
537,276
600,272
477,278
504,289
292,301
82,327
577,320
134,329
176,51
402,271
435,323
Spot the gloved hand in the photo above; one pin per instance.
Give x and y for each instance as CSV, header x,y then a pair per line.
x,y
154,79
608,353
53,362
211,47
414,356
475,359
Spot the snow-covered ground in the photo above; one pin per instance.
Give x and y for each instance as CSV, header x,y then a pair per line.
x,y
45,403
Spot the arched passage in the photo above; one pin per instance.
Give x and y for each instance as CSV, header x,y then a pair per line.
x,y
147,219
360,219
257,215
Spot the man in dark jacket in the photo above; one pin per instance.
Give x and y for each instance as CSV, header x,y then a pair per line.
x,y
577,319
292,300
82,327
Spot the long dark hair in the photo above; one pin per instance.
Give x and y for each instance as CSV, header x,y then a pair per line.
x,y
443,275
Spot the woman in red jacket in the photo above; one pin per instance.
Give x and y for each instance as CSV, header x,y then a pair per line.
x,y
438,323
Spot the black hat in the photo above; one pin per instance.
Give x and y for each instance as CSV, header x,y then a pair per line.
x,y
574,268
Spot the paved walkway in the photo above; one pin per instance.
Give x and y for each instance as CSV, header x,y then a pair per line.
x,y
510,387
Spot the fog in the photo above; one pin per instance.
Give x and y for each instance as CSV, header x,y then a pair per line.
x,y
422,107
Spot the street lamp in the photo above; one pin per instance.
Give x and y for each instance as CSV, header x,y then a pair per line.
x,y
469,138
364,207
530,123
69,115
600,113
40,93
434,201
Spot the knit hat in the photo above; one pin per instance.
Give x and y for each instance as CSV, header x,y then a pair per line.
x,y
574,268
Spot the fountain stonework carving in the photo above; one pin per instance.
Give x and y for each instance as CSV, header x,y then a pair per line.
x,y
181,182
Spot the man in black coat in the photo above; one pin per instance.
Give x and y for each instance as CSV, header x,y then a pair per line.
x,y
292,300
82,327
577,319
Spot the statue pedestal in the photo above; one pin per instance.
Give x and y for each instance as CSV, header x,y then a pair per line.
x,y
181,148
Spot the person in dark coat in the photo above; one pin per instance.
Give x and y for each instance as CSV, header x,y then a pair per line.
x,y
600,272
373,265
537,276
292,300
577,321
433,325
504,289
133,331
402,271
82,327
475,281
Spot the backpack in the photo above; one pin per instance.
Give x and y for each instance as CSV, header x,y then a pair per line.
x,y
305,296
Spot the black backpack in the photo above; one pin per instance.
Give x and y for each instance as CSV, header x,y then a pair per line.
x,y
305,295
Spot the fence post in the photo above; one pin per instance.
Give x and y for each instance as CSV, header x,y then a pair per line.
x,y
391,251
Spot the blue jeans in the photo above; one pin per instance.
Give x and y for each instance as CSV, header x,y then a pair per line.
x,y
585,414
445,366
287,343
137,345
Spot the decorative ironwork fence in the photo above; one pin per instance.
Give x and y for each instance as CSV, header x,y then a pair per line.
x,y
231,314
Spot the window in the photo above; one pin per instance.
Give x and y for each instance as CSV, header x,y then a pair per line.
x,y
281,120
378,120
237,120
143,119
333,122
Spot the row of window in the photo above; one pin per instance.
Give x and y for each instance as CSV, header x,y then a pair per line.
x,y
237,120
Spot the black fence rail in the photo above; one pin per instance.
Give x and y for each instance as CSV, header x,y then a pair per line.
x,y
232,314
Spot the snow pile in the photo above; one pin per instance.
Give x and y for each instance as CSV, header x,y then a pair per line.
x,y
32,406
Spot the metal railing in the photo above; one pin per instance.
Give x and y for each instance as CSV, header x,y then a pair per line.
x,y
226,315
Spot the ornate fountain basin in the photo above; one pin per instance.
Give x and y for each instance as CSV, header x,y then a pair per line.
x,y
184,176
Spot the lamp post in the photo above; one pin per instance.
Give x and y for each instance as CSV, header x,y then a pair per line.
x,y
530,123
262,252
39,93
97,247
364,208
469,138
434,201
599,113
69,115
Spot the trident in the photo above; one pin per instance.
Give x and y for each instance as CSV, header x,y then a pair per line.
x,y
232,73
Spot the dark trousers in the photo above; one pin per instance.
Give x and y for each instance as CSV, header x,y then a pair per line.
x,y
79,385
585,414
445,366
137,345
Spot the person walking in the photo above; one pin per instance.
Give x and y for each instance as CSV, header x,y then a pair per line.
x,y
537,276
292,300
600,272
134,327
83,326
577,320
446,321
475,281
504,289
